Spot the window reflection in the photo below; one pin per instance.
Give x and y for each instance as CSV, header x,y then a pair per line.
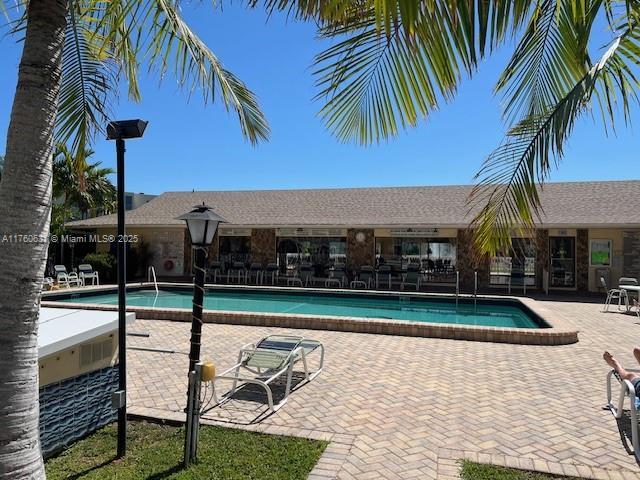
x,y
435,256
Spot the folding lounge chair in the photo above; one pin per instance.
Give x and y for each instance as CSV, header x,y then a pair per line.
x,y
87,272
626,391
266,361
69,279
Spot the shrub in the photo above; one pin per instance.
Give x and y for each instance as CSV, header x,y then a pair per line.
x,y
104,263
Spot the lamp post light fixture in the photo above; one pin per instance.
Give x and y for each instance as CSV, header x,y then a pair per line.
x,y
202,223
120,131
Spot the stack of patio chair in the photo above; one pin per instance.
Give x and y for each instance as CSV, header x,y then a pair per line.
x,y
412,277
365,278
236,273
272,272
383,276
306,274
337,277
254,275
214,269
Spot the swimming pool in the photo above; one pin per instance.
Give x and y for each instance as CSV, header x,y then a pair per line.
x,y
408,308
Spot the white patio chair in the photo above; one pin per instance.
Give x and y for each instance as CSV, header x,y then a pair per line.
x,y
365,278
48,283
268,360
87,272
68,280
337,278
614,294
626,391
59,269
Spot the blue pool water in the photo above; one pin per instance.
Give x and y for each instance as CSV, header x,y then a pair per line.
x,y
504,314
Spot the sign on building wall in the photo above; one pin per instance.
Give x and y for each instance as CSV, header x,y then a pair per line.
x,y
415,232
600,253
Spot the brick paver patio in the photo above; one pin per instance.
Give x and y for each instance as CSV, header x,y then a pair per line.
x,y
401,407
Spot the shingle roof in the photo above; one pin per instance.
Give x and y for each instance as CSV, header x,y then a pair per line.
x,y
565,204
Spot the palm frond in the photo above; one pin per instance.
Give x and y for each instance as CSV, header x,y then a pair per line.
x,y
378,80
550,58
169,41
88,85
506,197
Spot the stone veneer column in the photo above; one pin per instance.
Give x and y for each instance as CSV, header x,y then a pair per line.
x,y
468,262
187,252
212,253
263,245
582,260
362,252
542,255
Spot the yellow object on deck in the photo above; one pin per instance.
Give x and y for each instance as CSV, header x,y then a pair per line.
x,y
208,372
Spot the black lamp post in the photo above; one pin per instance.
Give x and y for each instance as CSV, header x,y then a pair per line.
x,y
202,223
120,131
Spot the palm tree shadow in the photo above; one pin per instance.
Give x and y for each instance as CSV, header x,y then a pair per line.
x,y
75,476
167,473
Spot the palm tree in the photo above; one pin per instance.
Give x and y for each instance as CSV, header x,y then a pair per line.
x,y
83,185
80,186
396,61
74,53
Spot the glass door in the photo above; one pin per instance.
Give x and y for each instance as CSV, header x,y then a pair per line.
x,y
562,252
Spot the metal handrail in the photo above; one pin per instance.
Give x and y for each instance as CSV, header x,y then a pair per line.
x,y
151,272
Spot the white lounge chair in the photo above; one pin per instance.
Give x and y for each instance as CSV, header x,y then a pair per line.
x,y
69,280
59,269
87,272
267,360
48,283
626,391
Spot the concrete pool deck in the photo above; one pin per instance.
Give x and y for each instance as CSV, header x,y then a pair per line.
x,y
559,333
396,407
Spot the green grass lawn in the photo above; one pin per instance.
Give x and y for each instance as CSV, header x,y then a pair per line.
x,y
155,452
480,471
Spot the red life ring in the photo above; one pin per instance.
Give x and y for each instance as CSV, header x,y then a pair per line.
x,y
168,265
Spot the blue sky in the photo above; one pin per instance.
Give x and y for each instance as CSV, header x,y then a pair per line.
x,y
189,146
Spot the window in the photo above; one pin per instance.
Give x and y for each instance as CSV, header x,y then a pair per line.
x,y
234,249
562,252
600,253
518,268
321,252
436,256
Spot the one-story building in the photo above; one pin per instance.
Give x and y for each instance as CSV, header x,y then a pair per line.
x,y
588,230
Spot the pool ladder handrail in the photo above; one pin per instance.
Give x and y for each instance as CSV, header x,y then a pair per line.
x,y
151,273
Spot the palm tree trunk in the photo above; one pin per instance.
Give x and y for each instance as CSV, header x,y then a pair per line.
x,y
25,209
